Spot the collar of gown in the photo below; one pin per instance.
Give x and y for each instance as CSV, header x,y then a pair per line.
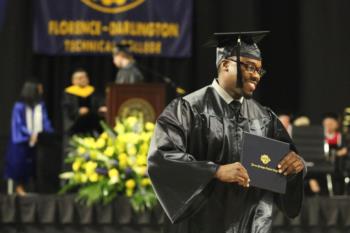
x,y
223,94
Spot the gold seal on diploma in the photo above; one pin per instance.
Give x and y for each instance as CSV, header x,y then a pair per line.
x,y
265,159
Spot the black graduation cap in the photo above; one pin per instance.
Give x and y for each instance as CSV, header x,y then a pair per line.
x,y
237,44
122,47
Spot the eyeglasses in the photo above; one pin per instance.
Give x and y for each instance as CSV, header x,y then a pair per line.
x,y
251,68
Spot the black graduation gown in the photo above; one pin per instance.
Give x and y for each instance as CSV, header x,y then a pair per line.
x,y
194,135
73,123
129,75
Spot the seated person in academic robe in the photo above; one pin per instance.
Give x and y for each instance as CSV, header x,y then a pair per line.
x,y
82,108
29,118
128,72
336,150
337,154
195,153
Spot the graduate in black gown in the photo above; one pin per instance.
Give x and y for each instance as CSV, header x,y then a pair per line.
x,y
194,156
128,72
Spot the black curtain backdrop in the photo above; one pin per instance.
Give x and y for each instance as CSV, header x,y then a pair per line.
x,y
305,56
324,36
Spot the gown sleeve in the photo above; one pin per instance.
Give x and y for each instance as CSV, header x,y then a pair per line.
x,y
291,202
136,76
19,130
180,180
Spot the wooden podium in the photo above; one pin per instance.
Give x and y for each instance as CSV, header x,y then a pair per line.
x,y
125,99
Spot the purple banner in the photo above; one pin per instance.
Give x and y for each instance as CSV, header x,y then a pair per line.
x,y
151,27
2,12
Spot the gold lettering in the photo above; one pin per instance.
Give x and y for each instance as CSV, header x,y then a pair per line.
x,y
79,27
264,168
103,46
140,29
95,46
114,28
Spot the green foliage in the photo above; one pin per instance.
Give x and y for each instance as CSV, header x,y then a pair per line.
x,y
112,164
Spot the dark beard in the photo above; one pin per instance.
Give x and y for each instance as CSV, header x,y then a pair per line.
x,y
238,93
247,96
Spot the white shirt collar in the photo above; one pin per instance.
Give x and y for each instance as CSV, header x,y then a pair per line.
x,y
223,94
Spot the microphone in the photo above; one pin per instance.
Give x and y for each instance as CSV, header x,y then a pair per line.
x,y
178,89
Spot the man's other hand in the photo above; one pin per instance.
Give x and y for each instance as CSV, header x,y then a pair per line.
x,y
291,164
233,173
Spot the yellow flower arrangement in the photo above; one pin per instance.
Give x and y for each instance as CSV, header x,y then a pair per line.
x,y
113,173
130,184
109,151
93,177
113,164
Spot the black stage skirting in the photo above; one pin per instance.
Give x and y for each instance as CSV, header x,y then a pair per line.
x,y
52,213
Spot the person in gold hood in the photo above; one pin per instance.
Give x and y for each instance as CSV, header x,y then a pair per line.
x,y
81,106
